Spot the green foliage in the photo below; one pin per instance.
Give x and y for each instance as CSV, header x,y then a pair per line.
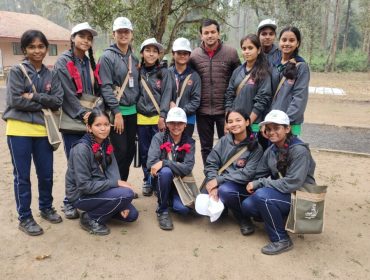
x,y
351,60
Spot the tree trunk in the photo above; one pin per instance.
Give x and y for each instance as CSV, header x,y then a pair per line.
x,y
346,27
331,61
324,33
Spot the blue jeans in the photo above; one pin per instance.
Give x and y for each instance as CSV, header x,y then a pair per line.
x,y
232,195
145,134
166,191
69,140
273,207
108,204
22,150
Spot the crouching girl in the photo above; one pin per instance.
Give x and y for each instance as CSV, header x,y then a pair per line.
x,y
237,154
285,166
93,180
171,153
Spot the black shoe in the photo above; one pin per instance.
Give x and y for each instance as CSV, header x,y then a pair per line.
x,y
278,247
165,221
93,226
136,195
70,212
147,189
51,215
246,226
30,227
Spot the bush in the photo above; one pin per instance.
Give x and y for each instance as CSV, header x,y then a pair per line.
x,y
351,60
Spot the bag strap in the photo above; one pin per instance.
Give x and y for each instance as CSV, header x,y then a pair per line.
x,y
284,78
28,78
125,81
151,96
242,83
182,89
232,159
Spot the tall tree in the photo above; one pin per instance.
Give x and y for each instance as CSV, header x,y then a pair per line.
x,y
330,65
346,26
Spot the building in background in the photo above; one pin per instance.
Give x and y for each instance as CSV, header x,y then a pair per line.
x,y
12,26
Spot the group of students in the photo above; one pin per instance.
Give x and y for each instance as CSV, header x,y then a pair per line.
x,y
264,102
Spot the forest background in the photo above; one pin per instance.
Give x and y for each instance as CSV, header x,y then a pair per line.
x,y
336,33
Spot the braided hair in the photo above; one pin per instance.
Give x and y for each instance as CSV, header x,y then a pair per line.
x,y
283,155
180,155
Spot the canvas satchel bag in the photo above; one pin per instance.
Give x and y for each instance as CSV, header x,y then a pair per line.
x,y
307,210
241,85
50,118
226,165
186,187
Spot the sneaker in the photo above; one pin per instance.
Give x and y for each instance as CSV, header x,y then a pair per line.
x,y
51,215
70,212
30,227
147,189
93,226
165,221
246,226
278,247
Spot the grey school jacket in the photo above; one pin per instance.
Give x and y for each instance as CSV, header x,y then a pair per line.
x,y
273,56
84,176
242,170
71,104
114,66
253,97
300,170
178,168
49,94
293,95
161,89
190,99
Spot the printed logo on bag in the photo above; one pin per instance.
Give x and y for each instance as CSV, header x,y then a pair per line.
x,y
47,87
312,213
250,82
158,84
190,82
241,162
290,81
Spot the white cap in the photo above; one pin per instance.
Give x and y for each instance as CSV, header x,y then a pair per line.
x,y
122,23
276,116
204,205
151,42
181,44
83,26
267,23
176,114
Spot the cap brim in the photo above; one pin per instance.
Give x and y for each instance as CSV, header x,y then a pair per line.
x,y
121,27
92,31
157,45
181,49
267,25
268,122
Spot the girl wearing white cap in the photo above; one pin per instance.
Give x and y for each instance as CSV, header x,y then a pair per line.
x,y
163,167
118,68
229,186
78,74
153,104
250,85
285,166
186,82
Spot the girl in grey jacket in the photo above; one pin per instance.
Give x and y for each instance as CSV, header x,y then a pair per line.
x,y
26,132
294,75
255,95
186,82
230,185
164,167
285,166
93,181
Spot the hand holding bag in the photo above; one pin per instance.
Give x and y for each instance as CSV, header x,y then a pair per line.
x,y
307,210
50,118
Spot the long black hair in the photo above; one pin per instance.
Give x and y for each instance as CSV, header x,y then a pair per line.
x,y
283,155
180,155
252,143
290,71
261,66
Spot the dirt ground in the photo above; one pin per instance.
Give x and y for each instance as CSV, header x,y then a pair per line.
x,y
196,248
